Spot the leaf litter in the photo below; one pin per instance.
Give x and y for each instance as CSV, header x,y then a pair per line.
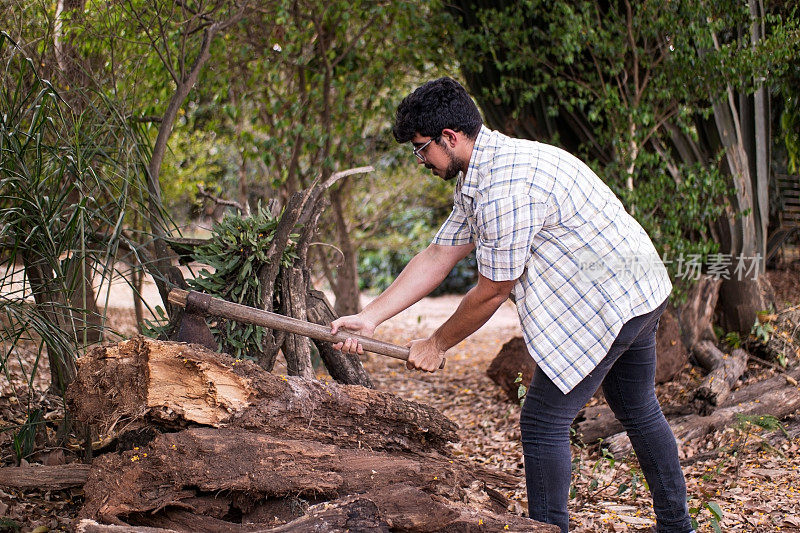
x,y
748,473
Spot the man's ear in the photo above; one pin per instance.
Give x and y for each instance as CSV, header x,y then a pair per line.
x,y
450,137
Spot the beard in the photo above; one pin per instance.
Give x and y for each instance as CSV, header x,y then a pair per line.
x,y
454,166
452,170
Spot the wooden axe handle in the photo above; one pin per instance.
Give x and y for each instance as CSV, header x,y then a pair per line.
x,y
250,315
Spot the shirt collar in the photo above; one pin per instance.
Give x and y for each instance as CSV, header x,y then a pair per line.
x,y
468,183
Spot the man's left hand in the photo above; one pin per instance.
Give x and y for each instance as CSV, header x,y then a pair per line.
x,y
425,355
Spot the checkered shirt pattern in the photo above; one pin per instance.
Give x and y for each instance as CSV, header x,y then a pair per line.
x,y
583,265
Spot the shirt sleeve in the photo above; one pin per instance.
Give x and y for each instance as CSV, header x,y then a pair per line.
x,y
506,229
455,231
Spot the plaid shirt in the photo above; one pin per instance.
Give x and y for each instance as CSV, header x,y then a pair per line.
x,y
583,265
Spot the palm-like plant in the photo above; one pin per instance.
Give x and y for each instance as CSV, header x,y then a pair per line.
x,y
70,186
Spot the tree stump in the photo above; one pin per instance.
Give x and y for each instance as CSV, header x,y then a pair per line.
x,y
671,352
240,449
512,359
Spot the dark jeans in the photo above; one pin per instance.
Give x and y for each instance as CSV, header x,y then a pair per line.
x,y
627,374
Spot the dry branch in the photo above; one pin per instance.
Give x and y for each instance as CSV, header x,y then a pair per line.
x,y
724,371
44,477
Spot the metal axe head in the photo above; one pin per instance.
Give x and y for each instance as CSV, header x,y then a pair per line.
x,y
193,327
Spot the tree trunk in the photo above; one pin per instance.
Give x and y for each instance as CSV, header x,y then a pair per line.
x,y
158,223
137,280
296,348
696,315
345,286
85,313
512,360
51,303
344,368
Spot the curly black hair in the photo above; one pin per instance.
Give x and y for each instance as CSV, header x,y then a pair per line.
x,y
434,106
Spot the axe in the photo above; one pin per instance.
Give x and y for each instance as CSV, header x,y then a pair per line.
x,y
197,304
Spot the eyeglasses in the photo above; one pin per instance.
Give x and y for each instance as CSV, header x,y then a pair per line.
x,y
419,149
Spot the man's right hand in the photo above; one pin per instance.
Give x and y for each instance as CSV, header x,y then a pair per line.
x,y
352,324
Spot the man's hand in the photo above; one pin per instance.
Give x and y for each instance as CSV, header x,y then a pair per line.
x,y
425,355
357,324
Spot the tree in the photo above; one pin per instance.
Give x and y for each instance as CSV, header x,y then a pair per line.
x,y
662,99
321,100
66,180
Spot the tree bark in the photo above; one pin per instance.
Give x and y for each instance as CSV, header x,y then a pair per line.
x,y
296,348
91,526
696,315
51,302
723,372
427,492
512,360
44,477
344,368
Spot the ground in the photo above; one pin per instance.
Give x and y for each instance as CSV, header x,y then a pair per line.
x,y
740,479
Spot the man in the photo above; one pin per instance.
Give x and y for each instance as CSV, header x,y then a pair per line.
x,y
588,285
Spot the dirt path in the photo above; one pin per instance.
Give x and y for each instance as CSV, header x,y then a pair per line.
x,y
746,473
749,473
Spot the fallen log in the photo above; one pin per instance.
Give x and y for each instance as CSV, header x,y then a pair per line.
x,y
124,387
696,324
163,484
277,452
773,396
598,421
91,526
44,477
723,372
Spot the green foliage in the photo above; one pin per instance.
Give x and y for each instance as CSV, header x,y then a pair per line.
x,y
790,124
522,390
67,183
733,339
24,439
8,523
402,233
767,422
630,88
678,229
714,520
236,253
378,268
762,331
